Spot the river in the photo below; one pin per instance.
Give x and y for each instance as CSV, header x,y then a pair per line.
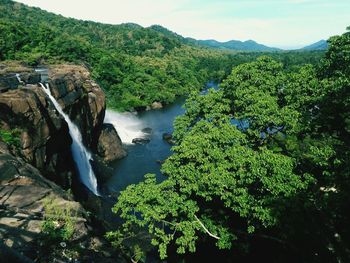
x,y
143,158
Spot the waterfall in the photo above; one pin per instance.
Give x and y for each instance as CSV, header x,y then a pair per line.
x,y
127,125
81,156
19,78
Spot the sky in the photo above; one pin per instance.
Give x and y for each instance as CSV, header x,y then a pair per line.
x,y
279,23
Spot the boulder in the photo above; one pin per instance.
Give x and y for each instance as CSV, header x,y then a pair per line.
x,y
140,140
109,144
168,137
156,105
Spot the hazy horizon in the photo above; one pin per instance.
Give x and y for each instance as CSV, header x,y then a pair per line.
x,y
286,24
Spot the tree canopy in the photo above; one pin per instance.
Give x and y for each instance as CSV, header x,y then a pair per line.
x,y
135,66
263,159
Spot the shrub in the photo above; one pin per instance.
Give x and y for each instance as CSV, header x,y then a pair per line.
x,y
58,222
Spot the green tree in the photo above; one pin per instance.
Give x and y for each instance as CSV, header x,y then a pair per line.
x,y
215,177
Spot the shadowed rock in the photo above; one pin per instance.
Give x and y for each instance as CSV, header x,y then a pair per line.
x,y
141,140
168,137
109,145
23,192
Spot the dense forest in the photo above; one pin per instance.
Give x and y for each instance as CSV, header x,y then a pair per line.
x,y
260,168
136,66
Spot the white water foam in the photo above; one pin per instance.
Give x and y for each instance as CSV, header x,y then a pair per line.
x,y
80,155
127,125
19,78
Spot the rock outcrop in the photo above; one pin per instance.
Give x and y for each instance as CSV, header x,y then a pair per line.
x,y
156,105
141,140
23,192
168,137
13,75
109,145
80,97
45,140
41,166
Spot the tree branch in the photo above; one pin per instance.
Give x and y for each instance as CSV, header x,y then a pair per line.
x,y
206,229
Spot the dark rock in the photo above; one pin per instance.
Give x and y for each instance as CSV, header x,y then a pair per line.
x,y
23,193
103,172
140,108
30,78
168,137
109,145
140,140
8,82
81,98
45,140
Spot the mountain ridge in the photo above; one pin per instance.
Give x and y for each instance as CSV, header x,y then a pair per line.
x,y
319,45
248,45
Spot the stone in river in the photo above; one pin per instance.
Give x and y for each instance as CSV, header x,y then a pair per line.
x,y
141,140
168,137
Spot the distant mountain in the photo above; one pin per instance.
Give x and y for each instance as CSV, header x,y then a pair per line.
x,y
320,45
166,32
248,45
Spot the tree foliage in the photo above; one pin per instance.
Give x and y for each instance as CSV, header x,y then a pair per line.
x,y
135,66
266,155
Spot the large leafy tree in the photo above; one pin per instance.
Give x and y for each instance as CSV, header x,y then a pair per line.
x,y
224,180
266,155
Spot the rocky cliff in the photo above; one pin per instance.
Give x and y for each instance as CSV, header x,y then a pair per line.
x,y
80,97
24,195
45,141
40,164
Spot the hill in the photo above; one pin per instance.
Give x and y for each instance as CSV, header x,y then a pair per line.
x,y
319,45
249,45
135,66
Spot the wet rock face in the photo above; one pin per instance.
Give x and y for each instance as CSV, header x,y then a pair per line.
x,y
80,97
109,146
45,141
28,171
13,75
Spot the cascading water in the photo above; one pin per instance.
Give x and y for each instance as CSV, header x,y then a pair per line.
x,y
81,156
19,78
127,125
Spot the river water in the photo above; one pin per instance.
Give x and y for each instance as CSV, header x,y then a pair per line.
x,y
142,158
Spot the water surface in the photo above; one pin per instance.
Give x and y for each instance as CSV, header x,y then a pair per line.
x,y
142,159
